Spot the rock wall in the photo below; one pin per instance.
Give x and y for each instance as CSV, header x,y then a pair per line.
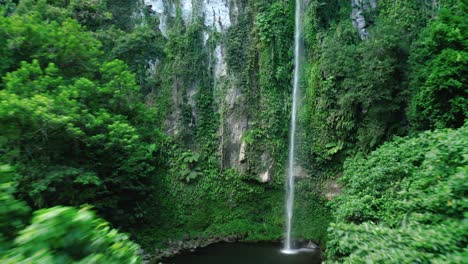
x,y
360,8
218,16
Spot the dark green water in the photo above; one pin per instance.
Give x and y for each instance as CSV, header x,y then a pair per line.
x,y
239,253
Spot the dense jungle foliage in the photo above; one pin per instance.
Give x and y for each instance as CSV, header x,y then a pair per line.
x,y
88,88
405,202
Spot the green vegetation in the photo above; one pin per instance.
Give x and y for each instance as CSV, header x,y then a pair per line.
x,y
362,93
74,124
405,202
438,80
99,108
58,234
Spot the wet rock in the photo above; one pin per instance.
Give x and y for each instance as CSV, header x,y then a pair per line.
x,y
265,177
359,8
242,152
180,246
266,165
311,245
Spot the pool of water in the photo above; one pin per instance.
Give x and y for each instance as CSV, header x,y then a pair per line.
x,y
240,253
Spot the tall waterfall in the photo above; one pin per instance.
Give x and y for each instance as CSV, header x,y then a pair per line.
x,y
292,141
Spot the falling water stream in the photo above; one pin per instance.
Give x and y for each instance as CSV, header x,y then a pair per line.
x,y
292,141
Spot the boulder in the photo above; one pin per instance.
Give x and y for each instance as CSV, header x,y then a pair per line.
x,y
242,157
265,177
300,172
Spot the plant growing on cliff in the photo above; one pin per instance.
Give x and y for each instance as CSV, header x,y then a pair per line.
x,y
188,168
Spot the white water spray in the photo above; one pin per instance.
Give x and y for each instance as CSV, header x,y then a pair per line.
x,y
292,141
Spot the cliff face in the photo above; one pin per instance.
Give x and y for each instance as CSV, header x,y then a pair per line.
x,y
216,14
243,102
225,78
245,66
217,17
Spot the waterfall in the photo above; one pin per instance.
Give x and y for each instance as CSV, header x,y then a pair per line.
x,y
292,141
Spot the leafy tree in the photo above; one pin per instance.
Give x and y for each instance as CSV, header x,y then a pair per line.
x,y
136,48
93,14
66,44
439,69
74,125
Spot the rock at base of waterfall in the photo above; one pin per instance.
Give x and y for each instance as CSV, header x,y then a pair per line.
x,y
311,245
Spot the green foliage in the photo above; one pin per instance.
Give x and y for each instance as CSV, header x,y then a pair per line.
x,y
73,124
439,67
187,166
312,216
404,203
355,99
68,235
368,242
185,72
123,13
85,85
7,6
56,113
135,48
226,203
269,74
65,44
237,43
358,92
410,16
92,14
321,15
58,234
14,214
273,22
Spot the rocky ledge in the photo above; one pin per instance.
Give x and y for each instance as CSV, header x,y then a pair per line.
x,y
185,245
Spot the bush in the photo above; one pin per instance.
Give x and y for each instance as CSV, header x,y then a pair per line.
x,y
57,235
69,235
405,202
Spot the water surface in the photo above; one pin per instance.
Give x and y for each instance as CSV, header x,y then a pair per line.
x,y
240,253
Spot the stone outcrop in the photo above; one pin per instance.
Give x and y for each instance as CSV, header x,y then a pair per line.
x,y
185,245
359,9
242,150
331,189
265,177
266,164
300,172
